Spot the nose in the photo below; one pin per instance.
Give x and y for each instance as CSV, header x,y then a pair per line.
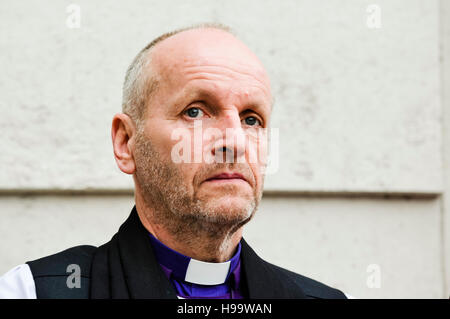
x,y
231,147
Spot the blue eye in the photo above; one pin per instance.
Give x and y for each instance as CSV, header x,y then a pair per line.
x,y
251,120
193,112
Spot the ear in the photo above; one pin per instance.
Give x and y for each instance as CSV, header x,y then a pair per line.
x,y
123,132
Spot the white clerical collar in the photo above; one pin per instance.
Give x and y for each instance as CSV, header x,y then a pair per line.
x,y
204,273
191,270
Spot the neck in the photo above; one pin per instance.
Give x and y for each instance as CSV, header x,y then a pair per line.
x,y
209,242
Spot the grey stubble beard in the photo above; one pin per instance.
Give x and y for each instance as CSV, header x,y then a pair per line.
x,y
186,217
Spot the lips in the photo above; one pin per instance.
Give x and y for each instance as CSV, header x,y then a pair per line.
x,y
225,176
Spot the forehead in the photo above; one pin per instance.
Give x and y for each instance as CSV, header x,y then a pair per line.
x,y
212,59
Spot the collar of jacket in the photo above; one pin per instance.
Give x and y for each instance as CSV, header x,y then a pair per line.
x,y
126,267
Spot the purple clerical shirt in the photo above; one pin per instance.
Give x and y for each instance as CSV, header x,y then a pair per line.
x,y
176,267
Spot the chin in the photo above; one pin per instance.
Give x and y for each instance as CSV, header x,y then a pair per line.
x,y
232,207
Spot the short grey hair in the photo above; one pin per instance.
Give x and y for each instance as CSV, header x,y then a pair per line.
x,y
140,81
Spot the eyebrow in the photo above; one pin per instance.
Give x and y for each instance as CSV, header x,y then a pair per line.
x,y
205,94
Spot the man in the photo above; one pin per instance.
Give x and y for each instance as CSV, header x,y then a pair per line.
x,y
183,238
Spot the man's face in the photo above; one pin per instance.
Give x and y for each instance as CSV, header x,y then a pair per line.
x,y
210,77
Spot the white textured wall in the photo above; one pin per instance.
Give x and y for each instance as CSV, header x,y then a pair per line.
x,y
445,78
62,85
360,112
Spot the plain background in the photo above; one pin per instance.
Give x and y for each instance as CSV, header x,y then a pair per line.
x,y
361,197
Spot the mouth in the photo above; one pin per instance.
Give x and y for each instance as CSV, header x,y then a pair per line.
x,y
226,178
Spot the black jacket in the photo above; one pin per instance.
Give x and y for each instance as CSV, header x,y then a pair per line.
x,y
126,267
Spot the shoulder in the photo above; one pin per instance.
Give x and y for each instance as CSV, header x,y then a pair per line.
x,y
57,264
311,288
18,283
64,274
282,282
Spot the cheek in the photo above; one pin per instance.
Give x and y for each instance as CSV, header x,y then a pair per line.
x,y
189,171
257,174
259,166
257,149
168,139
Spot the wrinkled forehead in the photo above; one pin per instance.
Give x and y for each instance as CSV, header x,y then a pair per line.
x,y
203,50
